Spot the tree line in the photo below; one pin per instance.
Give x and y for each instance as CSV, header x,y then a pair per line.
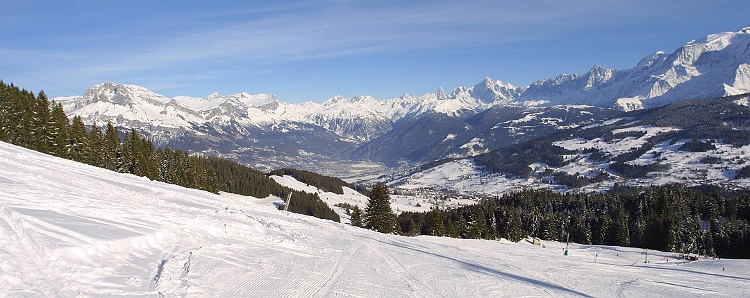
x,y
33,122
668,218
325,183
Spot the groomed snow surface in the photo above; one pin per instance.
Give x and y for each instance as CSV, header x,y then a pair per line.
x,y
68,229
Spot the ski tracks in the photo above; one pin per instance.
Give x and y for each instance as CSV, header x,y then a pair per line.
x,y
171,277
32,265
401,272
325,282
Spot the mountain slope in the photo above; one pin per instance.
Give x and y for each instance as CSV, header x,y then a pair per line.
x,y
437,136
73,230
693,142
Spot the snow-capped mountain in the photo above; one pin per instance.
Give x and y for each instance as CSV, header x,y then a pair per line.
x,y
264,132
714,66
697,142
357,118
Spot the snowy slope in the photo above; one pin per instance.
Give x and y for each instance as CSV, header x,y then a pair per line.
x,y
69,229
399,203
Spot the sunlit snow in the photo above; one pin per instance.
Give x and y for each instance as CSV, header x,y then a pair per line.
x,y
68,229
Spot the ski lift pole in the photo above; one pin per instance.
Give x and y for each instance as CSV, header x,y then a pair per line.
x,y
288,199
567,240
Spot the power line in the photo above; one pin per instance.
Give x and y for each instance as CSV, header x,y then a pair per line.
x,y
41,80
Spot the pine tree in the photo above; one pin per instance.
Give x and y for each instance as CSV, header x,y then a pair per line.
x,y
78,146
95,149
4,113
59,128
22,102
477,227
40,124
434,225
356,216
514,226
549,229
112,151
620,229
378,214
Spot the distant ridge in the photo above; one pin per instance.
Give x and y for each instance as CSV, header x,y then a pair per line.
x,y
266,133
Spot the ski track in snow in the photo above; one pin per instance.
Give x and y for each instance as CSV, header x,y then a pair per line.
x,y
68,229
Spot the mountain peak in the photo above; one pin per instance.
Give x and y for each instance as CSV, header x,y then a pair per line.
x,y
650,60
120,94
597,68
441,95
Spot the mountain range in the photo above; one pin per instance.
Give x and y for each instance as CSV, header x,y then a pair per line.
x,y
346,136
692,142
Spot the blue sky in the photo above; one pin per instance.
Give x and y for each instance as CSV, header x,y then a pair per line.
x,y
314,50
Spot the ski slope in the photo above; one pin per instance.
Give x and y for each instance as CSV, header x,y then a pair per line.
x,y
68,229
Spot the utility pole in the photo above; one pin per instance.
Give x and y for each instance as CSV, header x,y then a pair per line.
x,y
288,199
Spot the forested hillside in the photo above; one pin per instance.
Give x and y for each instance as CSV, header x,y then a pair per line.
x,y
33,122
667,218
329,184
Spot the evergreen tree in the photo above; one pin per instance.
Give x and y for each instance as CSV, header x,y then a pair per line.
x,y
378,214
549,229
4,113
620,229
356,216
514,226
95,149
78,146
478,224
40,124
434,224
112,151
59,127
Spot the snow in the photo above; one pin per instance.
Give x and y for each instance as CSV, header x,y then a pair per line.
x,y
199,104
603,123
618,145
68,229
745,101
462,176
628,104
474,147
399,203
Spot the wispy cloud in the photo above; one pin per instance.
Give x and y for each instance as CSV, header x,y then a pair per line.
x,y
199,43
331,31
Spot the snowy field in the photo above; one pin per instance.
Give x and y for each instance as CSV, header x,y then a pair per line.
x,y
68,229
